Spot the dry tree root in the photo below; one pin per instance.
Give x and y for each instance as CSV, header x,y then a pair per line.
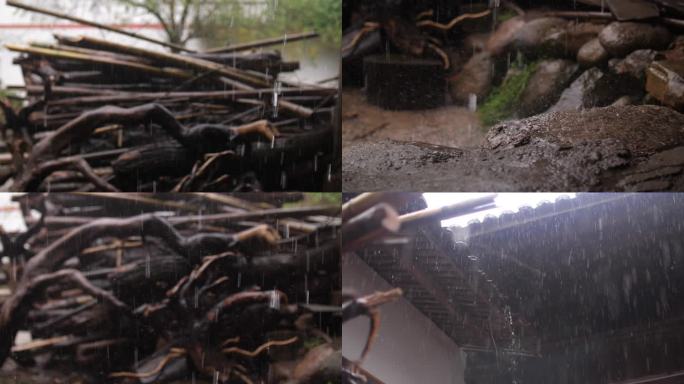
x,y
39,269
77,163
450,25
407,36
243,296
367,28
261,348
199,139
425,14
365,306
368,306
442,55
201,176
174,354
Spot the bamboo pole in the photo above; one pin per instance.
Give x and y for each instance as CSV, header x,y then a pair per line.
x,y
90,52
154,96
673,22
581,14
79,20
239,79
264,43
143,199
251,78
365,201
274,213
142,96
60,54
449,211
230,217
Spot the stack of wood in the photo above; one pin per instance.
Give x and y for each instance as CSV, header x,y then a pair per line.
x,y
103,115
174,286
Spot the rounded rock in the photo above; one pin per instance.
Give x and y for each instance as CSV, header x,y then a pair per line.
x,y
530,36
546,85
475,78
567,42
620,39
592,54
635,64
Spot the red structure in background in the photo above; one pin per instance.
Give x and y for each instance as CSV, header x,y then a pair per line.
x,y
77,26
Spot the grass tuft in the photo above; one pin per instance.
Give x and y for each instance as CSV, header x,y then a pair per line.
x,y
502,101
10,96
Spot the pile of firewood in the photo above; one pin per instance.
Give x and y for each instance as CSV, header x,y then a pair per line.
x,y
106,116
167,287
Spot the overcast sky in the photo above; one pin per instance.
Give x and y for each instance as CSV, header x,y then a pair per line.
x,y
11,219
505,202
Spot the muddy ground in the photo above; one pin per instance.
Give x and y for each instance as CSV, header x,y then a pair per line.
x,y
573,90
601,149
450,126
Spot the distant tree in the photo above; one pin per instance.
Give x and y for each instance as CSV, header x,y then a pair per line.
x,y
237,20
179,18
230,21
323,16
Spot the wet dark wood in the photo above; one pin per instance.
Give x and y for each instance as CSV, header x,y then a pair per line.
x,y
181,288
211,94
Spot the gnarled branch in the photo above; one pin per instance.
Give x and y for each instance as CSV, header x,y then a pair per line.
x,y
51,258
199,139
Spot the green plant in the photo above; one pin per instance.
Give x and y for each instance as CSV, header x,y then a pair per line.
x,y
14,101
179,18
225,22
312,342
317,198
323,16
235,21
501,102
505,15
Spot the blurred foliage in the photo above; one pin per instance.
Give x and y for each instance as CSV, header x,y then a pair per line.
x,y
223,22
505,15
312,342
239,20
179,18
501,103
312,199
219,22
14,100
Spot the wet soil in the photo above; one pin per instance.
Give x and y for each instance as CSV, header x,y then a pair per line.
x,y
448,126
643,129
631,148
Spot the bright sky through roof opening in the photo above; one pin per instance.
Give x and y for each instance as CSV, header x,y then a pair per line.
x,y
11,218
505,202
